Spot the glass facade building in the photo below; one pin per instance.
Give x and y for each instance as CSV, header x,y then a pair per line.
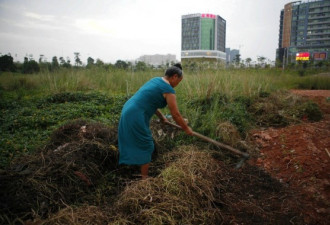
x,y
304,28
203,36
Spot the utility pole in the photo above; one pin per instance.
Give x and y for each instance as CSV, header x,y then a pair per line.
x,y
283,60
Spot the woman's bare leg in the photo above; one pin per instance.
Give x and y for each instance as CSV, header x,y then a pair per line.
x,y
144,171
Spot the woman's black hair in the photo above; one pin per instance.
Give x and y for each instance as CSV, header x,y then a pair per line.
x,y
175,69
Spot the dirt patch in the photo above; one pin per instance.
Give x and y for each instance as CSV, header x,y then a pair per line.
x,y
298,156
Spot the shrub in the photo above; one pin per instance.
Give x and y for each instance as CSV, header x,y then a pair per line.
x,y
312,111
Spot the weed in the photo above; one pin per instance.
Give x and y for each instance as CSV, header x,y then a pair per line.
x,y
27,123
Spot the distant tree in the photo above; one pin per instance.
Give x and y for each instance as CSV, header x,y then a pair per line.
x,y
7,63
99,62
141,66
77,59
261,60
248,62
121,64
43,64
64,63
30,66
237,59
41,58
55,64
108,66
90,62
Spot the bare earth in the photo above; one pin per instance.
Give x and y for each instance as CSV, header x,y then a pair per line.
x,y
299,157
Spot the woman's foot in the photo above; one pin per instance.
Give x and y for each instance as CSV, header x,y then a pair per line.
x,y
144,171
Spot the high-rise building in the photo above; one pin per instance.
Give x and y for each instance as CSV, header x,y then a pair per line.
x,y
203,36
304,32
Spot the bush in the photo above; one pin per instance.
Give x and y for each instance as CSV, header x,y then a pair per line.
x,y
312,111
30,67
7,63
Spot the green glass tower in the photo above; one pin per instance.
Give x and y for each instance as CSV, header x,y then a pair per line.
x,y
203,36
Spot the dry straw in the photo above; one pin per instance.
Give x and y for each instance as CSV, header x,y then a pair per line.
x,y
184,191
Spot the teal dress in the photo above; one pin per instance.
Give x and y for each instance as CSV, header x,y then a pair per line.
x,y
134,135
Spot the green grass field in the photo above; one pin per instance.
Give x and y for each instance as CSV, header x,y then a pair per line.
x,y
33,106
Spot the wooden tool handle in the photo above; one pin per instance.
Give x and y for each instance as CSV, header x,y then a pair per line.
x,y
221,145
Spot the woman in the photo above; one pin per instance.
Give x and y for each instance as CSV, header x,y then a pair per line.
x,y
134,135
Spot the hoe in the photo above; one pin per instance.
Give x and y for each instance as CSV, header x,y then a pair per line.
x,y
244,155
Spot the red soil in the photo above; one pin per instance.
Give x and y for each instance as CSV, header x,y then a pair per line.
x,y
299,157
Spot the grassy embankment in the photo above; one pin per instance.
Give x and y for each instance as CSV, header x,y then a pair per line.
x,y
32,106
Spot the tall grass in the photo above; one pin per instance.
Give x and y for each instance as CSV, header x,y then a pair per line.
x,y
315,82
232,83
208,99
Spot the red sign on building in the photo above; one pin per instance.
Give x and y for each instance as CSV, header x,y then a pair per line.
x,y
304,56
211,16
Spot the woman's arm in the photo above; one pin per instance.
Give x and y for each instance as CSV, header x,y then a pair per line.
x,y
176,115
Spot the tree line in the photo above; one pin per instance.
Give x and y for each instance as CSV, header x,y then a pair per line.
x,y
30,65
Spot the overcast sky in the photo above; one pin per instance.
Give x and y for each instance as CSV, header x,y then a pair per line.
x,y
126,29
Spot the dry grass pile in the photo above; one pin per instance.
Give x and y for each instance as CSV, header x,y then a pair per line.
x,y
75,216
182,194
228,133
61,174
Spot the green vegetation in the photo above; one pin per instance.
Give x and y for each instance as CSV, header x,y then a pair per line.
x,y
33,106
27,121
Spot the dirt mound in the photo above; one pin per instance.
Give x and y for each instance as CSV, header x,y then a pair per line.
x,y
298,157
61,174
321,97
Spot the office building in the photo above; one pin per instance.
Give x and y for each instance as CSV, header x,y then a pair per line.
x,y
203,36
304,32
231,55
158,60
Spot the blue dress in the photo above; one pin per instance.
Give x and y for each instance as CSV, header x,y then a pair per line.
x,y
134,135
